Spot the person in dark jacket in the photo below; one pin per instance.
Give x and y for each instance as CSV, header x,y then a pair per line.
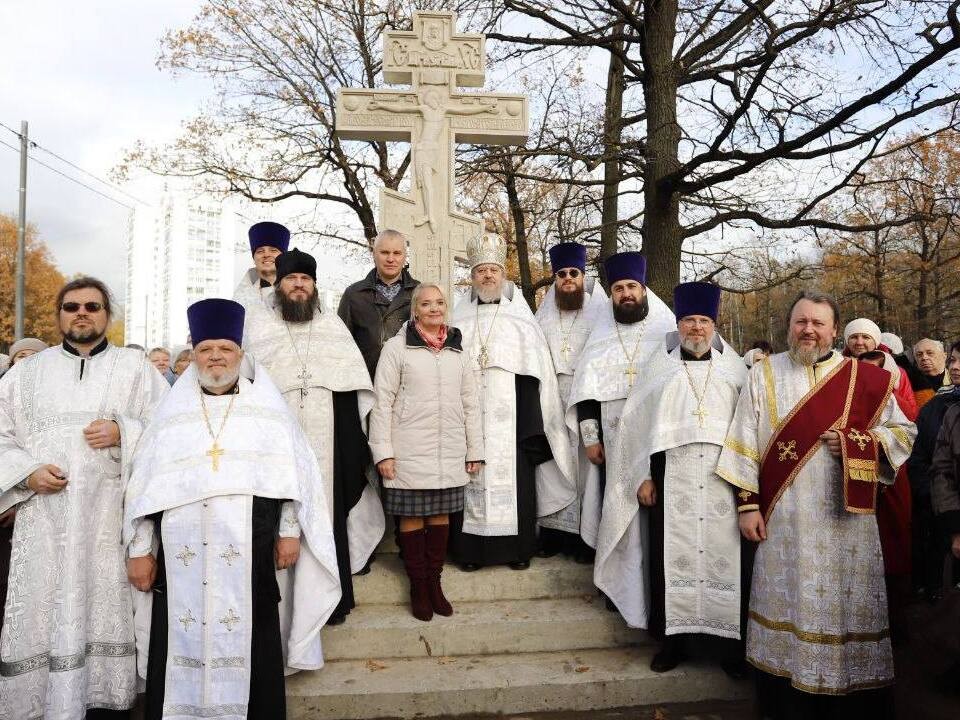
x,y
928,548
375,308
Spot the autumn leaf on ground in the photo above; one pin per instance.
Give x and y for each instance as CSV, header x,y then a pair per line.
x,y
374,665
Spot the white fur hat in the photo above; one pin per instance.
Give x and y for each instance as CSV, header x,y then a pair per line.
x,y
866,326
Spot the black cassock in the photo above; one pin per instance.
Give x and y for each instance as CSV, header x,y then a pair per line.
x,y
532,450
267,697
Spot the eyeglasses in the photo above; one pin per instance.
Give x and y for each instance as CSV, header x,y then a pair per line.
x,y
574,273
90,307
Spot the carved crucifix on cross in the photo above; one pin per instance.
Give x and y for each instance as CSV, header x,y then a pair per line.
x,y
433,116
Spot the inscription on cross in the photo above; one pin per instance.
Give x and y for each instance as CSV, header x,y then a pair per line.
x,y
433,115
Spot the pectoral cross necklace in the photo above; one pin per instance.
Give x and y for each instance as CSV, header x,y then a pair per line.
x,y
565,348
304,375
700,412
631,371
483,357
216,452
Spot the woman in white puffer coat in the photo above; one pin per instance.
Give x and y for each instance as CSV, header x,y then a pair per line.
x,y
426,438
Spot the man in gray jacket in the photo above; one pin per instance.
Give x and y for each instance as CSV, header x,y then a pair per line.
x,y
374,308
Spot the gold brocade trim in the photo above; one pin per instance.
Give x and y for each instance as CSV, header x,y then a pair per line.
x,y
818,638
771,392
741,449
902,437
891,383
747,508
819,689
864,470
736,481
849,401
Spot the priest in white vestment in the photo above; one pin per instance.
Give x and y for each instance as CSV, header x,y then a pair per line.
x,y
625,334
225,492
813,434
314,361
522,421
255,289
569,311
672,430
70,417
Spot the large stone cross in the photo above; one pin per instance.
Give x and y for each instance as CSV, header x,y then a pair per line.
x,y
433,116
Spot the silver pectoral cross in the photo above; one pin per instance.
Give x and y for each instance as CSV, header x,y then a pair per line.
x,y
303,377
565,351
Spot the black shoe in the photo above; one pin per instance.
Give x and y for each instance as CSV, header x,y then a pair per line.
x,y
337,620
667,659
546,552
519,565
365,570
469,567
735,669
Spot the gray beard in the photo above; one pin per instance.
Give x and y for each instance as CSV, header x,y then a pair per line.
x,y
486,296
805,356
695,347
207,382
297,310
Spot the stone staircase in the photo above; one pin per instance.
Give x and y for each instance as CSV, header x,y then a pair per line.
x,y
518,642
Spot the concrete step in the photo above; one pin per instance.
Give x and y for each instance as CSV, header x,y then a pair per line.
x,y
479,628
436,686
555,577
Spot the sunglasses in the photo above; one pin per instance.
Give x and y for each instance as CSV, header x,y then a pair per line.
x,y
568,273
90,307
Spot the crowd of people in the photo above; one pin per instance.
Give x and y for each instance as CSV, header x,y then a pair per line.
x,y
186,523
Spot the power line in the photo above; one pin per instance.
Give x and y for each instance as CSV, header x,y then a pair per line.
x,y
70,178
76,167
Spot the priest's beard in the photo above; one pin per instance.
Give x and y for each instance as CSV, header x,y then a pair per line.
x,y
632,313
569,300
695,346
805,356
75,337
227,378
490,294
298,310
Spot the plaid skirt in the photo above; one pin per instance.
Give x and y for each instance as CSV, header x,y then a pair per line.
x,y
422,503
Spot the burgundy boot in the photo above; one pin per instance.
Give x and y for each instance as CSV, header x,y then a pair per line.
x,y
436,553
415,562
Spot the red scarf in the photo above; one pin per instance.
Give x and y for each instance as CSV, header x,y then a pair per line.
x,y
434,343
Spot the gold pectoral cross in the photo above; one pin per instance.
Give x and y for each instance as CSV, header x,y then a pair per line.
x,y
701,414
565,351
631,373
215,453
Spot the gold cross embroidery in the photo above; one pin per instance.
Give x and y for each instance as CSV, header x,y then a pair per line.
x,y
744,495
230,619
861,439
186,555
786,450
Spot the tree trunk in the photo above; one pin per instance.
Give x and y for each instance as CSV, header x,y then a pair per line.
x,y
520,235
923,286
612,167
662,238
